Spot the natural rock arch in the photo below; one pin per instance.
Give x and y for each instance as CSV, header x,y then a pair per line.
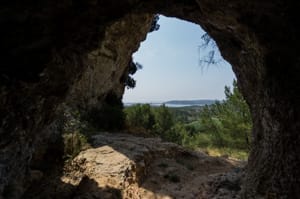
x,y
58,51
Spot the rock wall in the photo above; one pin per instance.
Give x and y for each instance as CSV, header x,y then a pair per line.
x,y
48,60
108,64
61,51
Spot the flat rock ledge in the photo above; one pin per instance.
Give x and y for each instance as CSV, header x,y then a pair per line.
x,y
125,166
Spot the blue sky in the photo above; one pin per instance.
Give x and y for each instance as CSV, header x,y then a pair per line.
x,y
171,69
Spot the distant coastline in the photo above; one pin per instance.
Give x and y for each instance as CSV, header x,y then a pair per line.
x,y
176,103
192,102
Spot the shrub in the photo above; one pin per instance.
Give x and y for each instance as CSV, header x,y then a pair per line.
x,y
73,138
164,121
140,116
228,122
74,143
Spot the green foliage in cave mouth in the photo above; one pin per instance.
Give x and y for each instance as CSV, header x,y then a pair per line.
x,y
223,126
228,122
73,133
79,126
127,79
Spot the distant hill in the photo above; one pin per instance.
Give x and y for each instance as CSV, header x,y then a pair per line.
x,y
176,103
191,102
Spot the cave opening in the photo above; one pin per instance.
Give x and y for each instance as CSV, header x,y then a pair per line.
x,y
178,72
77,52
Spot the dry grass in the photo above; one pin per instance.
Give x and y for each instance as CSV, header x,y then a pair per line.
x,y
226,152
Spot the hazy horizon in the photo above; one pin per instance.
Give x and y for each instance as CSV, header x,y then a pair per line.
x,y
161,101
171,70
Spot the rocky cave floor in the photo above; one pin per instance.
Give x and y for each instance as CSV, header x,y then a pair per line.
x,y
126,166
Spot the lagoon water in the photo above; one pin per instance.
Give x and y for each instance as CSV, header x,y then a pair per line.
x,y
166,104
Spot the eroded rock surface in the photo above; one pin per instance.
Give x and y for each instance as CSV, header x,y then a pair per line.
x,y
124,166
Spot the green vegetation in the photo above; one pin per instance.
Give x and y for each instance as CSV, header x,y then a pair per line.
x,y
222,128
79,126
140,116
74,143
186,114
73,133
154,25
150,120
132,68
229,123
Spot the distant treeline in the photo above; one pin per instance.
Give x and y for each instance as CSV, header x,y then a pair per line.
x,y
222,124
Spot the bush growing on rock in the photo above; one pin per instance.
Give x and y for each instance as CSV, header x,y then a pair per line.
x,y
73,133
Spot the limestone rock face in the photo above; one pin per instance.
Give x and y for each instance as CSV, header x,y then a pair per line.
x,y
124,166
108,64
